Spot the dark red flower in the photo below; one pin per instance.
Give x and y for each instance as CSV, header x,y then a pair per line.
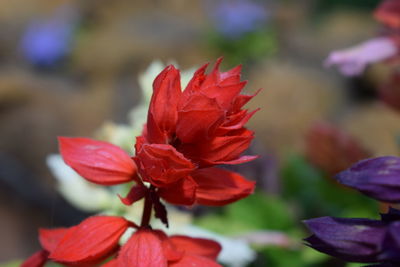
x,y
331,149
388,13
187,133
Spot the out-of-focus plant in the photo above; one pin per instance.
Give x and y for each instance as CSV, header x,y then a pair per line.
x,y
241,30
383,48
331,149
359,239
46,41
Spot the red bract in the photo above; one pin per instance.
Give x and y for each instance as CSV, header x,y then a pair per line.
x,y
86,244
187,133
148,248
49,238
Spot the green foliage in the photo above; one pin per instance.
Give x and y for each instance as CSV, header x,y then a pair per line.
x,y
255,212
250,47
328,5
316,194
14,263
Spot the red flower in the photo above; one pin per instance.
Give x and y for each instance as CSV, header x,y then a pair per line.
x,y
331,149
96,239
187,133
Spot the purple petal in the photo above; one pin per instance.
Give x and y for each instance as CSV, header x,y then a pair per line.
x,y
391,244
353,61
378,178
348,239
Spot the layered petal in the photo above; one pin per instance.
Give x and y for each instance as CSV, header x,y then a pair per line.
x,y
92,240
49,238
197,246
163,105
217,187
220,149
162,164
98,162
143,249
376,177
198,118
182,192
357,240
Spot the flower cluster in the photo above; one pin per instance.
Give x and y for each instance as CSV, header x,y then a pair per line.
x,y
364,240
187,134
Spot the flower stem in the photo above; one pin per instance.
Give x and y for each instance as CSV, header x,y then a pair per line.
x,y
148,205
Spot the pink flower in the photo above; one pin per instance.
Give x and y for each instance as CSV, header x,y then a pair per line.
x,y
353,61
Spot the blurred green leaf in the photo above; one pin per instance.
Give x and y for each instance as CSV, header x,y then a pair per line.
x,y
315,194
255,212
250,47
14,263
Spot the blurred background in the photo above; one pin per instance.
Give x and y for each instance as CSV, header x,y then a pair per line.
x,y
66,67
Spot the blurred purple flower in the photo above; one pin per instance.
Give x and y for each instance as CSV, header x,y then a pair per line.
x,y
47,40
358,240
353,61
233,18
348,239
378,178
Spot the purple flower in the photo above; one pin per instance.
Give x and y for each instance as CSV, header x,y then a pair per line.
x,y
348,239
233,18
47,40
353,61
378,178
358,240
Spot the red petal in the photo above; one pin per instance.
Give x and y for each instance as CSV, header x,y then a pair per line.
x,y
143,249
240,101
136,193
219,187
194,84
93,239
197,246
224,94
221,149
388,12
171,252
163,164
36,260
236,121
98,162
194,261
164,102
179,193
49,238
198,118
